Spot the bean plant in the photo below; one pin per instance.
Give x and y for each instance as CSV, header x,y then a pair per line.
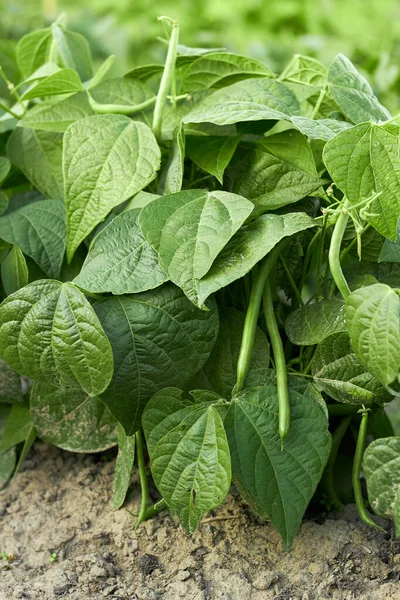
x,y
200,265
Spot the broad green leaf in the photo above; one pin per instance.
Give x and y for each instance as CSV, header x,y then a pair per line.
x,y
250,244
277,482
306,71
220,69
102,71
212,153
58,116
189,454
16,428
320,129
159,339
38,154
381,467
338,372
311,324
189,229
122,157
33,50
120,260
352,93
3,202
14,272
47,69
7,465
120,91
65,81
364,161
221,368
280,170
373,318
123,467
390,251
73,50
249,100
172,176
37,226
10,385
5,167
71,420
49,331
145,72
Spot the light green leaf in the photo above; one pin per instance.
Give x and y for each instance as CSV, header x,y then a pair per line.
x,y
212,153
49,68
159,339
172,176
33,51
280,170
277,482
352,93
319,129
16,428
120,260
250,244
5,167
64,81
306,71
189,454
49,331
121,91
249,100
38,154
123,467
220,69
57,116
10,385
189,229
373,318
7,465
381,466
14,272
338,372
71,420
122,157
363,161
37,226
311,324
73,50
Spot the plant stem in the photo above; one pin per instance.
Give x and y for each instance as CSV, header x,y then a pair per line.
x,y
167,78
318,103
327,477
280,363
120,109
358,456
291,281
252,314
334,254
143,477
154,510
9,111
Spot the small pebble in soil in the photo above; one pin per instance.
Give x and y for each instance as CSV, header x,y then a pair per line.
x,y
265,580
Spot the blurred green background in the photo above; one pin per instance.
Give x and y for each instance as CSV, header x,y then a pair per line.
x,y
368,31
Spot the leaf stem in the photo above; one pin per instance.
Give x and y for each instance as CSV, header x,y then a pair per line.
x,y
144,484
167,78
358,456
9,111
155,509
334,253
291,281
318,103
280,362
120,109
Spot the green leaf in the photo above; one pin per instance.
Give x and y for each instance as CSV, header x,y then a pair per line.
x,y
338,372
280,170
17,427
363,161
102,71
73,50
159,339
71,420
221,368
381,467
172,177
64,81
37,226
14,272
50,331
3,202
249,100
250,244
189,229
219,69
5,167
212,153
7,465
390,251
58,116
38,154
122,157
306,71
120,260
121,91
10,385
123,467
277,482
373,318
33,51
189,454
319,129
28,443
352,93
311,324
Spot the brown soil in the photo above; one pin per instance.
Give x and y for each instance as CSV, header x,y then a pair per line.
x,y
61,503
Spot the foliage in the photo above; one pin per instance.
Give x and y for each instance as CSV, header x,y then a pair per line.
x,y
174,245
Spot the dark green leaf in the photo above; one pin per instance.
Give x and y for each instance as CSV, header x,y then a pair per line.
x,y
123,467
14,272
212,153
17,427
311,324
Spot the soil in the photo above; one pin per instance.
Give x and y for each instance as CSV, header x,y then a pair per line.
x,y
61,503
